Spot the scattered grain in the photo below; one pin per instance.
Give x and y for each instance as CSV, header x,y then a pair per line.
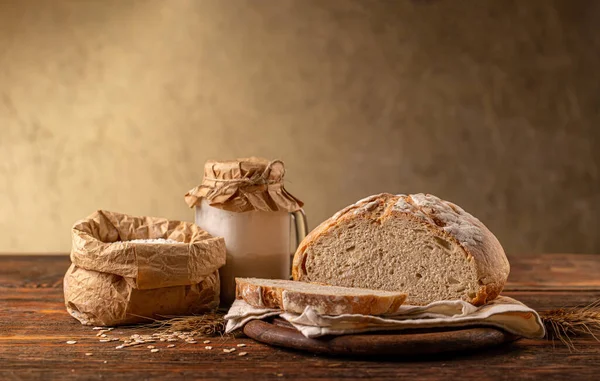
x,y
103,331
208,347
241,345
242,353
206,342
89,354
171,346
71,342
119,347
150,347
154,350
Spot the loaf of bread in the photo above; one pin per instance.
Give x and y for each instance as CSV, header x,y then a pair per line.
x,y
419,244
292,296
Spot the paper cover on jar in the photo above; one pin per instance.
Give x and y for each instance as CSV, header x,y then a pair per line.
x,y
244,185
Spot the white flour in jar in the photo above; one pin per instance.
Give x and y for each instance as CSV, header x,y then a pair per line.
x,y
258,244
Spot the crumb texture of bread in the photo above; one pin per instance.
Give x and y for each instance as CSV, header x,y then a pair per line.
x,y
419,244
293,296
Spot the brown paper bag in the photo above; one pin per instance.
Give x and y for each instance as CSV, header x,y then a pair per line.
x,y
112,281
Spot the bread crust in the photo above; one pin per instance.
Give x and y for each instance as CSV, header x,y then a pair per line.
x,y
441,218
262,296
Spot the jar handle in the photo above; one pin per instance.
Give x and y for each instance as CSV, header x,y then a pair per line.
x,y
301,228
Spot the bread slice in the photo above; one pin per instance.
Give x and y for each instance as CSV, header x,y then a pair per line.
x,y
292,296
418,244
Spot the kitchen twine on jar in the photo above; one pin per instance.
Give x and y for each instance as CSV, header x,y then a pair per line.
x,y
257,179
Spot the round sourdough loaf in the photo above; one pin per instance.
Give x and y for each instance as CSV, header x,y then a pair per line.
x,y
419,244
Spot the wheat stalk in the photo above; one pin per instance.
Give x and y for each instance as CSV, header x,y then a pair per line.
x,y
565,323
207,324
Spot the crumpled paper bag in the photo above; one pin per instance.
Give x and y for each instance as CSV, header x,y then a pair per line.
x,y
503,312
102,299
112,281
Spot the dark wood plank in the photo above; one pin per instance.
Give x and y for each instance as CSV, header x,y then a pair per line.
x,y
410,343
34,327
554,271
33,271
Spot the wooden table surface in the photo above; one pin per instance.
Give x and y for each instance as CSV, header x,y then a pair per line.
x,y
34,327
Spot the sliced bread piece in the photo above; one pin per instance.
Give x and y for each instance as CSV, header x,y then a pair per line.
x,y
292,296
418,244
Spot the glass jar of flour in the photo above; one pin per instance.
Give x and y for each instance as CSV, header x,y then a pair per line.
x,y
245,202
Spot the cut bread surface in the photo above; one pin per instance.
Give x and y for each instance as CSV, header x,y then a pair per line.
x,y
293,296
421,245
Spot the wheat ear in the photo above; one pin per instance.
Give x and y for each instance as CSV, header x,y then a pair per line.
x,y
566,323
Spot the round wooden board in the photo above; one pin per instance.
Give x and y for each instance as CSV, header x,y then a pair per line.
x,y
406,343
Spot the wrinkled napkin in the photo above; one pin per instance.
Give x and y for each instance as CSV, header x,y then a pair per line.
x,y
503,312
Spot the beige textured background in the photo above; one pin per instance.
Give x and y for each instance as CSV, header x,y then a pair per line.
x,y
494,105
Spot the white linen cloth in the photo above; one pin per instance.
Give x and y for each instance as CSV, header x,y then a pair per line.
x,y
503,312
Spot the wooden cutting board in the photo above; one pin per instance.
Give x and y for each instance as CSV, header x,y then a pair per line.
x,y
280,333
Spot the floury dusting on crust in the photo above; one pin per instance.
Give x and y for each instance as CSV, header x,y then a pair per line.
x,y
369,200
467,229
